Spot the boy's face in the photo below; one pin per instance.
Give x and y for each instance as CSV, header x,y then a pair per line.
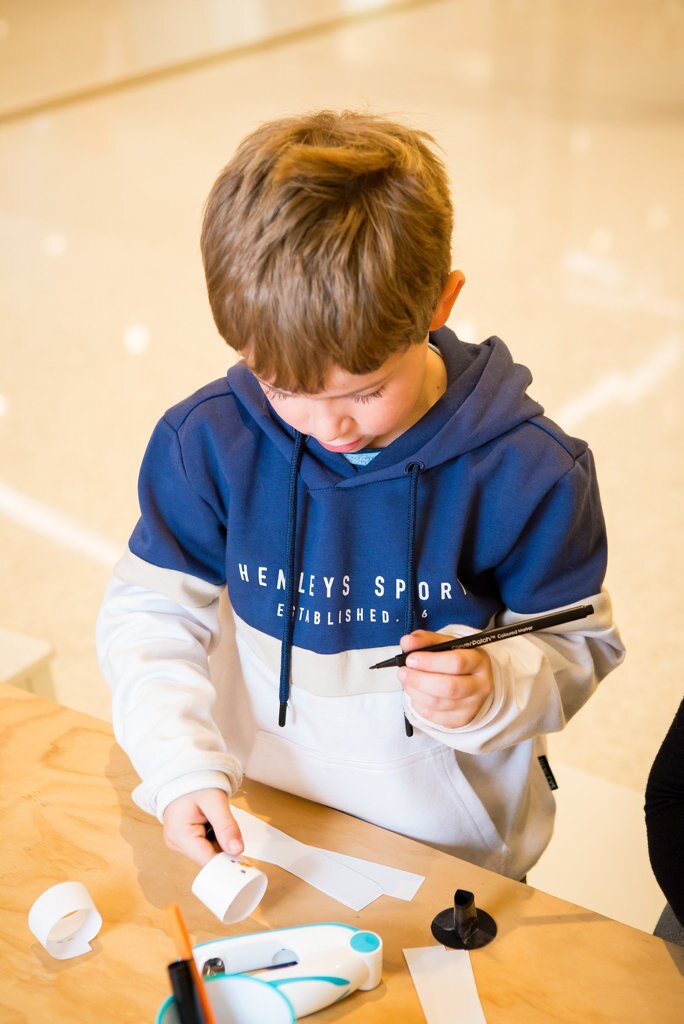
x,y
371,410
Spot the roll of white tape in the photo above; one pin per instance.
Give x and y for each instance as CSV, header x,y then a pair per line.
x,y
64,920
231,888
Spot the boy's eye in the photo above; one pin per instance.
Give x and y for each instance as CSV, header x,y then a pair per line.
x,y
369,398
271,393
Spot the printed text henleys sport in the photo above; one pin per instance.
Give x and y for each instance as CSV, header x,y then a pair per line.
x,y
329,588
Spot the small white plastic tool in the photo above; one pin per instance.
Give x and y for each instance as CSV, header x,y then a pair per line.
x,y
309,967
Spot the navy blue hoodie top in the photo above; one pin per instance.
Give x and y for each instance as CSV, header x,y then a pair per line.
x,y
483,505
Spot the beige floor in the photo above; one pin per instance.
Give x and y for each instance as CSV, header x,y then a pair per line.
x,y
561,122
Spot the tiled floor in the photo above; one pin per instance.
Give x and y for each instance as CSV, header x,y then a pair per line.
x,y
562,128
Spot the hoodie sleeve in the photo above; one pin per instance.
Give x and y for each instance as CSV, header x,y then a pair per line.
x,y
182,519
541,680
153,649
157,625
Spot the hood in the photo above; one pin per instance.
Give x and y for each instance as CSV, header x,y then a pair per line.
x,y
486,396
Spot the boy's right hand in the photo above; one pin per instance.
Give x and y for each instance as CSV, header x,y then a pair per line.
x,y
184,825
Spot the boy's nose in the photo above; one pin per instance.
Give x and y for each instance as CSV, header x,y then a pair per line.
x,y
328,423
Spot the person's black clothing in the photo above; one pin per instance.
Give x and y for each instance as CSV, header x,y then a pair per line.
x,y
665,816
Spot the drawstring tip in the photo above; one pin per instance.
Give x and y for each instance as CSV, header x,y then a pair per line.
x,y
282,715
408,726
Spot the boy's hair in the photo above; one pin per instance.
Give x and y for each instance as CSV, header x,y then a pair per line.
x,y
326,244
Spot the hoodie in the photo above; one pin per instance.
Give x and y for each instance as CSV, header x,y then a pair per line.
x,y
266,575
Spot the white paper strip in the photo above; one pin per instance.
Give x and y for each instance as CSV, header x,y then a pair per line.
x,y
445,985
403,885
263,842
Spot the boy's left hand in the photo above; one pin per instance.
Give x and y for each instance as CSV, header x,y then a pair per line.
x,y
447,687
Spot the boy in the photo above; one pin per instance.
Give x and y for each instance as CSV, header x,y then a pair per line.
x,y
361,479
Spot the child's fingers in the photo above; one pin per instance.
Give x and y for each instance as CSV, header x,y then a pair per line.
x,y
197,848
427,702
456,662
452,705
436,685
447,688
188,838
216,806
443,663
187,818
447,719
421,638
448,663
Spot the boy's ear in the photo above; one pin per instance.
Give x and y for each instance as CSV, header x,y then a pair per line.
x,y
455,282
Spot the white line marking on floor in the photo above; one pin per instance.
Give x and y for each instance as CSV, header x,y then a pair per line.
x,y
624,388
34,515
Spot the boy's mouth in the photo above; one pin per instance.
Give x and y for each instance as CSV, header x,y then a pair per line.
x,y
341,447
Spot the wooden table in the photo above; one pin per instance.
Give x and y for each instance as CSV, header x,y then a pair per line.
x,y
67,815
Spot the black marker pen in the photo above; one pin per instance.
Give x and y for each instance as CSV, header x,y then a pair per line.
x,y
489,636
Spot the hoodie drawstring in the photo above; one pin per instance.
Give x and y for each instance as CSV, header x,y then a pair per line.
x,y
413,469
288,624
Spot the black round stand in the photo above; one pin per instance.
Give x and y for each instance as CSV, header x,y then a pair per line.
x,y
463,926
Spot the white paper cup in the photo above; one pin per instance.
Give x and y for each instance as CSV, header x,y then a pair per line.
x,y
64,920
230,887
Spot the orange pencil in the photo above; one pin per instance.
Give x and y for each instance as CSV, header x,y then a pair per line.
x,y
179,933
